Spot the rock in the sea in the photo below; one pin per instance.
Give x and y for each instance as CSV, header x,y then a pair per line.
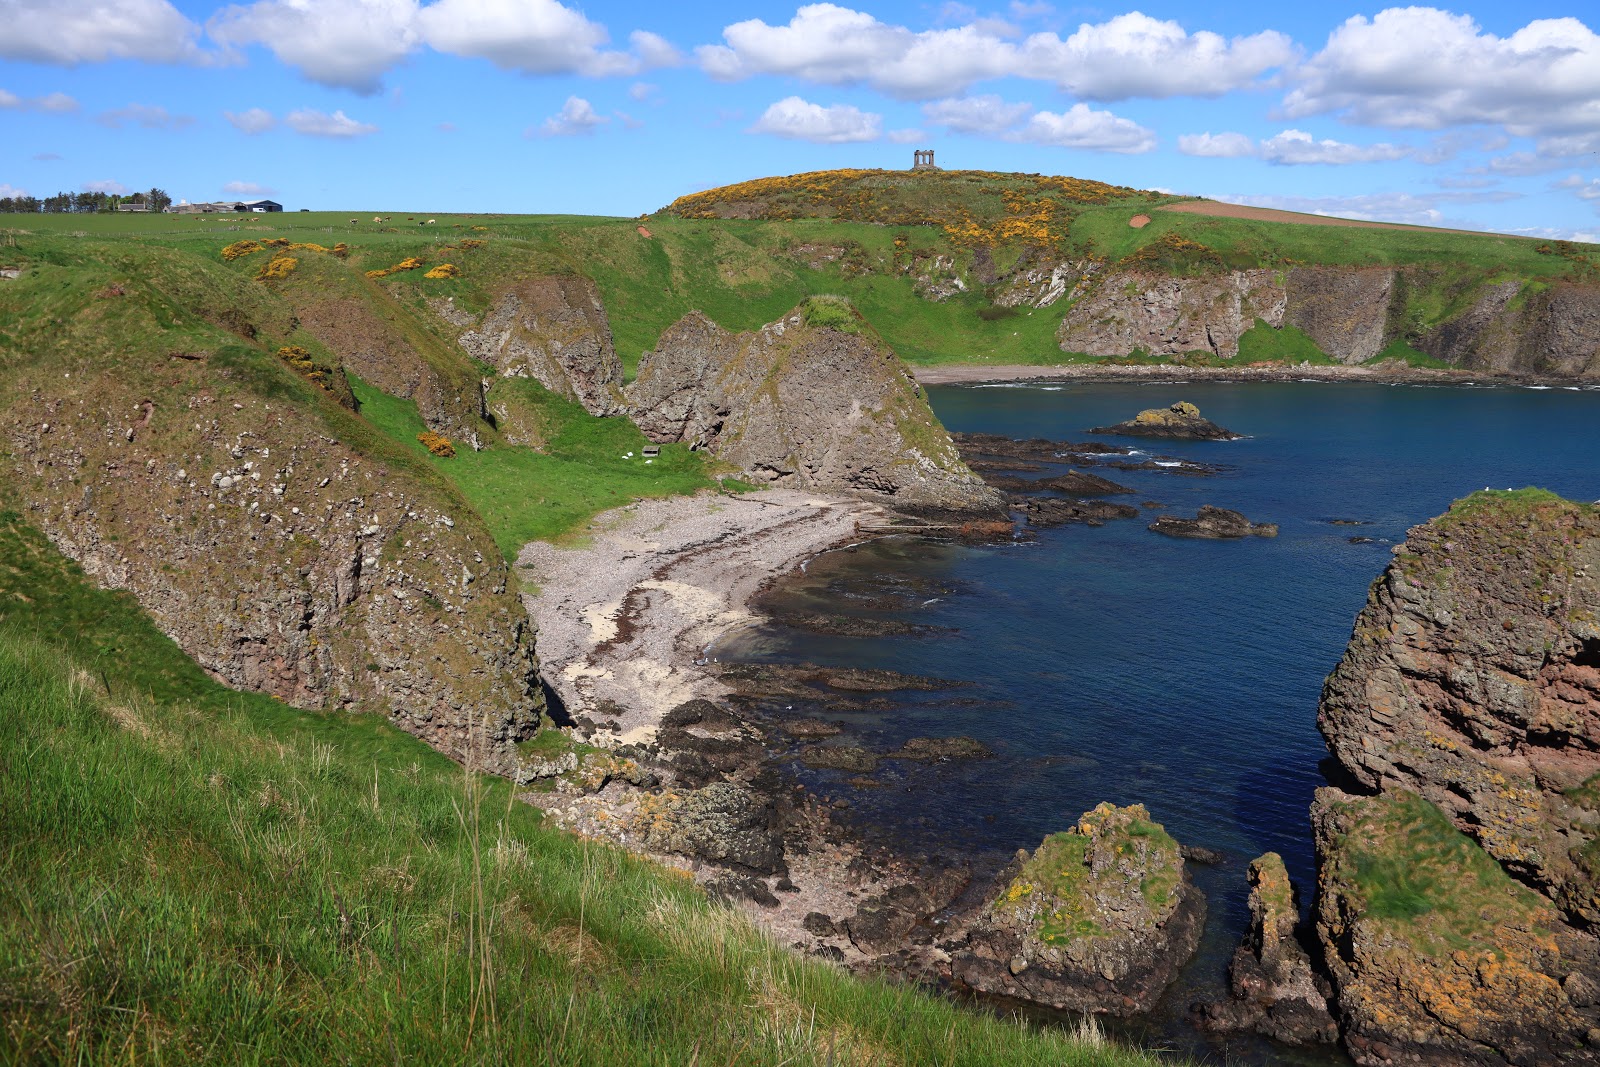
x,y
1080,483
811,401
1053,511
934,749
1438,955
1275,991
1098,919
1212,522
1181,421
851,758
1459,904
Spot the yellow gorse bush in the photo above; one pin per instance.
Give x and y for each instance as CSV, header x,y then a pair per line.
x,y
444,270
436,443
239,249
277,268
409,263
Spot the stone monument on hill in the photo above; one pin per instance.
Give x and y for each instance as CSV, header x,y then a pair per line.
x,y
923,159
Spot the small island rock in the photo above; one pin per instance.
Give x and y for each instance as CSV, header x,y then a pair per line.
x,y
1215,523
1098,919
1181,421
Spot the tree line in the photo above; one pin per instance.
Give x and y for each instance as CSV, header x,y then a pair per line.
x,y
85,202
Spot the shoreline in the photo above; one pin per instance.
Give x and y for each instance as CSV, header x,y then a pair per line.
x,y
975,374
624,620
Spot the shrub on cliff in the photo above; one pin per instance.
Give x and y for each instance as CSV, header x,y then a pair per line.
x,y
438,444
240,248
277,269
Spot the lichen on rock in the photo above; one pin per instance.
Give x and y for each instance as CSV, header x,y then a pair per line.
x,y
1097,919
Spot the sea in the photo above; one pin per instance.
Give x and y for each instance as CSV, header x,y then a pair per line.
x,y
1112,663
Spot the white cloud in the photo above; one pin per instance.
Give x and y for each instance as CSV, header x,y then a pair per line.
x,y
1216,145
1424,68
654,50
905,136
107,186
577,116
346,44
987,114
57,103
801,120
531,36
1083,127
1297,146
247,189
68,32
255,120
1129,55
8,191
1519,164
1584,190
643,91
318,124
148,116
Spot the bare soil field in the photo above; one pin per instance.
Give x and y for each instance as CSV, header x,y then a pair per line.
x,y
1271,214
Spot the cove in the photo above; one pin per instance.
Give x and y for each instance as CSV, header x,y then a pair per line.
x,y
1111,663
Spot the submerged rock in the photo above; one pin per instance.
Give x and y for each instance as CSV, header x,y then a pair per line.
x,y
1053,511
934,749
1214,523
1181,421
1098,919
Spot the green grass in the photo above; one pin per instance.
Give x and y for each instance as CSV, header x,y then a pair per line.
x,y
527,495
1503,503
1262,343
195,874
1434,884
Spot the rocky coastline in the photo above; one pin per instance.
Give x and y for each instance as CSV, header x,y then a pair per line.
x,y
1110,371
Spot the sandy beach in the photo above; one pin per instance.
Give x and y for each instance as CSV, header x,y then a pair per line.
x,y
970,373
624,617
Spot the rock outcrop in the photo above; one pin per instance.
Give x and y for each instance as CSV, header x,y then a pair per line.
x,y
234,507
805,406
1525,329
1097,919
1344,310
1275,991
553,328
1169,316
1468,704
1182,421
1213,523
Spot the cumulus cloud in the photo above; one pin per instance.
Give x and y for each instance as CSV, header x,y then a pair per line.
x,y
8,191
351,44
1297,146
107,186
314,123
577,116
9,100
68,32
802,120
1216,145
346,44
247,189
643,91
1588,190
1289,147
1083,127
148,116
1127,56
976,114
255,120
1424,68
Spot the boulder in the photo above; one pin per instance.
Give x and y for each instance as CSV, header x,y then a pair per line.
x,y
724,822
1181,421
1213,523
803,404
1097,919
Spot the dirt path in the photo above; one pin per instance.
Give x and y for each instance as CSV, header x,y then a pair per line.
x,y
623,620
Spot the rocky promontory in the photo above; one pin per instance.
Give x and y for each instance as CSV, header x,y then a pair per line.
x,y
1181,421
1097,919
1458,899
813,400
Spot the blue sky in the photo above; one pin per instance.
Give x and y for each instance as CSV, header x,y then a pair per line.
x,y
1487,117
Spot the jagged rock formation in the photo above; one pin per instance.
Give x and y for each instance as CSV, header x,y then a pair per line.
x,y
553,329
1213,523
1097,919
1182,421
280,557
1525,329
794,404
1275,992
1344,310
1468,703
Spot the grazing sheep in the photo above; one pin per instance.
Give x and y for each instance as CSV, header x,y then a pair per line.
x,y
429,222
354,221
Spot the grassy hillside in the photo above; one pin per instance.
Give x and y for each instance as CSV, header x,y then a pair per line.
x,y
197,874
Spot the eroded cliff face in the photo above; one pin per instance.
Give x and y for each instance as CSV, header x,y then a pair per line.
x,y
796,405
1468,705
1167,316
1522,329
282,557
553,329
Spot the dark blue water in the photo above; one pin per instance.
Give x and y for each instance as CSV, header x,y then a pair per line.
x,y
1112,663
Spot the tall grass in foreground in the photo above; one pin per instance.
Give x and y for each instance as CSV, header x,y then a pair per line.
x,y
189,874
